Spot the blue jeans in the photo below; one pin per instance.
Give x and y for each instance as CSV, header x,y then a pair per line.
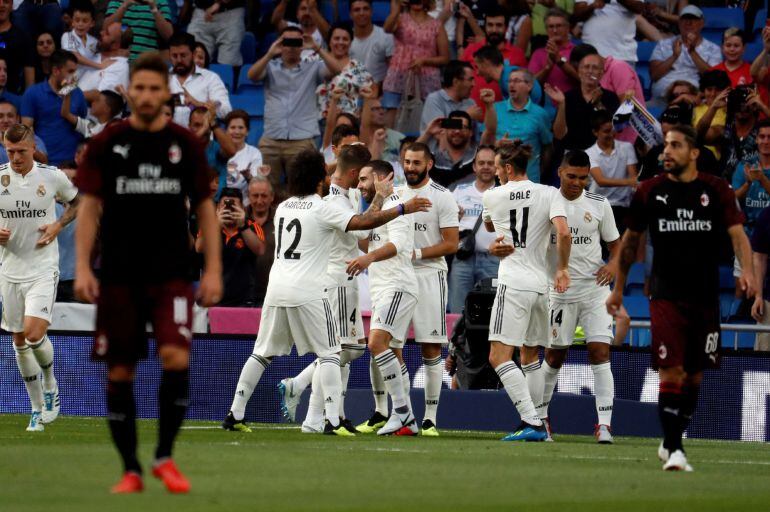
x,y
35,19
465,274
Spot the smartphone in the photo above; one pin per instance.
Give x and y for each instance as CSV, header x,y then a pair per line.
x,y
452,124
229,204
292,42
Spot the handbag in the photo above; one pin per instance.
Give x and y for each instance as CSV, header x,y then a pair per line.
x,y
409,111
468,241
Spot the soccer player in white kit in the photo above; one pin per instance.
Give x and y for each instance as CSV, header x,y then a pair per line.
x,y
30,270
523,212
393,290
590,220
296,309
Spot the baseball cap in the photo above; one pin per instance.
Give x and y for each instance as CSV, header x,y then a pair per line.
x,y
693,11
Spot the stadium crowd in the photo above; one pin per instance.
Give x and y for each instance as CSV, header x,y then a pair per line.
x,y
260,83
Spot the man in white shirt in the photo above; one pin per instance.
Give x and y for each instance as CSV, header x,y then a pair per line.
x,y
683,57
469,269
193,86
371,45
522,213
30,270
296,310
113,76
610,26
590,221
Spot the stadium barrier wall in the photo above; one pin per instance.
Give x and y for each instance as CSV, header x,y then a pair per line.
x,y
733,403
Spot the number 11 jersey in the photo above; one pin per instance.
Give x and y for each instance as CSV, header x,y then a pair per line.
x,y
304,229
521,212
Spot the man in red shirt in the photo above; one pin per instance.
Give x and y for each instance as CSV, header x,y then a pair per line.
x,y
495,24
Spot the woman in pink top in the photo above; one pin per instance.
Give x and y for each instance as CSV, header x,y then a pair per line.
x,y
421,46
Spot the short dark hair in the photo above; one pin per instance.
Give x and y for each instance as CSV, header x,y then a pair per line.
x,y
289,28
340,25
461,114
380,167
355,156
59,58
419,146
182,39
489,54
4,101
689,133
454,70
714,78
150,61
582,51
576,158
82,6
408,139
199,111
114,102
354,122
495,11
342,131
555,12
599,118
764,123
354,1
515,154
306,171
233,192
237,114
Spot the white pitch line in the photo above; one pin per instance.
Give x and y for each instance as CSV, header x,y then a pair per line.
x,y
216,427
636,459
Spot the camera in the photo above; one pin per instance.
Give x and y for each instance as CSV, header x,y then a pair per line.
x,y
452,123
738,97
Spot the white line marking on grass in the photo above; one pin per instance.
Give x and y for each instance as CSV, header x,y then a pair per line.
x,y
636,459
216,427
380,449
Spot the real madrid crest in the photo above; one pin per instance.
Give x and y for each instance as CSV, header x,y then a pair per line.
x,y
704,199
587,217
5,180
40,191
174,153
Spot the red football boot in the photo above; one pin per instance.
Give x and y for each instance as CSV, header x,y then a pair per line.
x,y
174,481
130,483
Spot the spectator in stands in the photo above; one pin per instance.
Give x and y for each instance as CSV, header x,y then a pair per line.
x,y
242,240
759,68
220,25
261,212
220,148
107,106
308,19
374,130
610,27
113,76
581,103
352,76
335,119
740,138
551,64
194,86
247,160
495,20
18,51
201,56
709,117
421,47
659,19
291,111
520,22
343,135
760,244
457,83
41,108
751,180
35,16
733,47
460,24
150,20
683,57
613,167
519,118
452,146
479,264
4,94
44,48
371,45
78,40
9,116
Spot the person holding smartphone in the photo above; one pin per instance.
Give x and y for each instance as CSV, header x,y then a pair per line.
x,y
450,139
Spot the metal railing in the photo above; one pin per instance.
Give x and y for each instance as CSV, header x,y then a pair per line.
x,y
734,328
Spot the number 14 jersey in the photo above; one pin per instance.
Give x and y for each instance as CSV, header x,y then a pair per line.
x,y
521,212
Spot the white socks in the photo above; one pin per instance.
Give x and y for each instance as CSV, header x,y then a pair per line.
x,y
391,374
516,387
304,378
407,385
30,373
252,371
43,352
378,388
535,380
434,374
329,372
315,406
349,354
604,389
550,377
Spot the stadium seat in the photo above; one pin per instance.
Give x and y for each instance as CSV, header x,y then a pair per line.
x,y
752,51
759,22
721,18
225,72
644,51
638,307
726,279
244,83
380,12
635,280
249,48
256,127
253,102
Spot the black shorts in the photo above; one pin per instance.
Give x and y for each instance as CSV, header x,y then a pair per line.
x,y
123,312
685,334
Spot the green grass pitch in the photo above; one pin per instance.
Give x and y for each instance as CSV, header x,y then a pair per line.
x,y
71,466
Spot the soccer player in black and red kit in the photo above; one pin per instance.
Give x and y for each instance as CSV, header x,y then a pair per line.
x,y
136,178
687,214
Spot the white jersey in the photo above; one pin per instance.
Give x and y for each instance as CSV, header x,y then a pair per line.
x,y
428,225
304,233
521,212
344,243
590,220
26,203
396,273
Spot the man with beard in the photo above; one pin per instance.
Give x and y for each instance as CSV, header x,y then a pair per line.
x,y
41,109
194,86
687,214
452,145
454,94
113,47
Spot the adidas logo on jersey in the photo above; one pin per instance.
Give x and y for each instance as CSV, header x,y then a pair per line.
x,y
329,400
240,392
6,193
434,333
44,309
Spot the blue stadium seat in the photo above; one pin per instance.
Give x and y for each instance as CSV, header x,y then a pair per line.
x,y
726,279
635,275
343,11
745,339
380,12
253,102
638,307
644,51
225,72
249,48
244,84
759,21
721,18
726,299
752,51
256,127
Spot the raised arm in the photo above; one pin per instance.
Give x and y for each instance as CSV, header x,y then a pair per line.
x,y
391,22
259,69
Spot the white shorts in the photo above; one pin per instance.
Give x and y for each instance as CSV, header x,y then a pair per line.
x,y
32,298
311,327
519,318
391,312
350,325
589,313
429,320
